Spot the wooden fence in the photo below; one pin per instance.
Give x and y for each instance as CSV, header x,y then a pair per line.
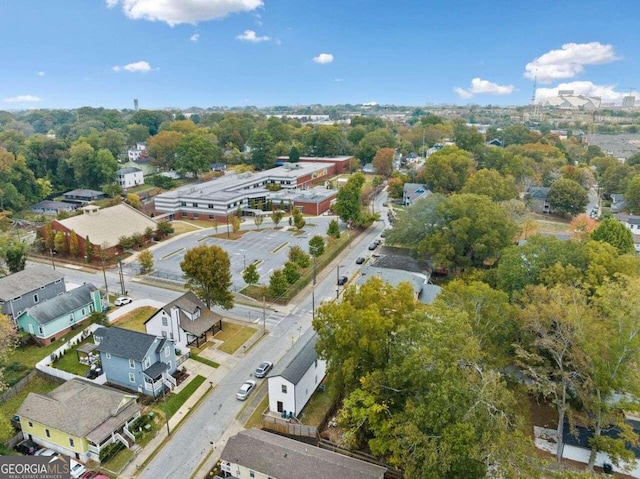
x,y
283,426
17,387
363,456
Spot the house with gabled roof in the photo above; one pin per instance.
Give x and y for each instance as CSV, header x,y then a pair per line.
x,y
536,197
412,192
53,318
136,361
104,227
291,385
261,454
49,207
83,196
185,321
129,177
79,418
24,289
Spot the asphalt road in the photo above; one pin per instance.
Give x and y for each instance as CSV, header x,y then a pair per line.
x,y
204,428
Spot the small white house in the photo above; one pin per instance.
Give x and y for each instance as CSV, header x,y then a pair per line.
x,y
185,321
291,388
129,177
135,153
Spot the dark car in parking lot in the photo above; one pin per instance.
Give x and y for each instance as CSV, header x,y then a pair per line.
x,y
342,280
373,246
27,447
360,260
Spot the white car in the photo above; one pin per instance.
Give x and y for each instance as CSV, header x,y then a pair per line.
x,y
76,469
263,368
245,390
45,452
122,300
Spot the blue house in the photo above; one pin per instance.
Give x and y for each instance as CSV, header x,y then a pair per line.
x,y
137,361
53,318
27,288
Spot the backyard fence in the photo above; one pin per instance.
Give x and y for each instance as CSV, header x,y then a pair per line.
x,y
17,387
283,426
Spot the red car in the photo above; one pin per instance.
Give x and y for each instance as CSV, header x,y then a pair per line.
x,y
94,475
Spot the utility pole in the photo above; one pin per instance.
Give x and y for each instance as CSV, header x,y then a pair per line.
x,y
122,291
104,273
314,270
264,316
313,303
53,263
166,412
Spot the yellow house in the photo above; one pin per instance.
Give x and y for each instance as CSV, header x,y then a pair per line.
x,y
79,418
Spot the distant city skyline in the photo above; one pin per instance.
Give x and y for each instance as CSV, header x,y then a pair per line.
x,y
205,53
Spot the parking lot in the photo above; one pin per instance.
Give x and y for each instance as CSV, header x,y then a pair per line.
x,y
267,247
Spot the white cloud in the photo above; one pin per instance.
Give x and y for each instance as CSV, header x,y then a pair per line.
x,y
337,79
607,93
569,61
484,87
250,36
137,67
195,37
175,12
462,92
323,58
22,99
257,19
40,74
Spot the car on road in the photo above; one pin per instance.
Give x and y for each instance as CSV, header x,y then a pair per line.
x,y
27,447
373,246
245,390
360,260
122,300
342,280
263,368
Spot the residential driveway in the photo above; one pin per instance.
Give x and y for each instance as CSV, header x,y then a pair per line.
x,y
255,245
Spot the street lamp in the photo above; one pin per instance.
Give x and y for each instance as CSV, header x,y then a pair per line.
x,y
53,263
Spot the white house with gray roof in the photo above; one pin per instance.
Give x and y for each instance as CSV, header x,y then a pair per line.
x,y
24,289
185,321
53,318
129,177
291,386
137,361
261,454
411,192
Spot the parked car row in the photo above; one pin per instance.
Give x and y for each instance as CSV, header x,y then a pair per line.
x,y
249,385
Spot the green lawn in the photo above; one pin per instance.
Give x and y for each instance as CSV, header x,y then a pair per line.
x,y
255,420
135,319
233,336
69,362
202,360
117,462
316,409
175,401
10,407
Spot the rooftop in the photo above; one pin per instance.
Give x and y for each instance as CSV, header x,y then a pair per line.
x,y
303,359
278,456
27,280
62,304
107,225
80,408
123,343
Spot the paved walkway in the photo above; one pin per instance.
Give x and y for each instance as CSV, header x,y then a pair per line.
x,y
212,378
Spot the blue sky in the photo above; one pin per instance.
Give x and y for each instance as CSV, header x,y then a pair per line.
x,y
182,53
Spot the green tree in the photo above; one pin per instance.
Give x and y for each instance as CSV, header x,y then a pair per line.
x,y
150,119
416,222
276,217
632,195
207,269
470,230
163,149
195,153
348,206
277,283
616,234
490,183
383,161
333,229
316,246
8,342
165,228
250,274
372,142
291,272
446,171
14,253
74,245
356,335
145,258
134,200
467,137
88,250
137,134
235,224
294,154
262,155
60,243
258,220
115,141
616,177
298,219
567,197
298,256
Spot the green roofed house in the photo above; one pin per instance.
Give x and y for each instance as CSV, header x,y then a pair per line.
x,y
52,319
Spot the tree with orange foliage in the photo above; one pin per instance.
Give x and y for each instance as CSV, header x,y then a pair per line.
x,y
582,226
